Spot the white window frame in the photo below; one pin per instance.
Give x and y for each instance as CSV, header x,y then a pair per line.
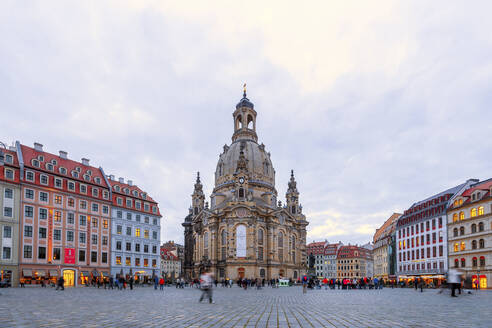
x,y
41,177
61,183
33,176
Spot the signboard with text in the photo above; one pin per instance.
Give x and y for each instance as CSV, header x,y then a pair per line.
x,y
70,255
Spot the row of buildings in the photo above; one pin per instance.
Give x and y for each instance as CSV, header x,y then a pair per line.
x,y
61,217
451,229
339,261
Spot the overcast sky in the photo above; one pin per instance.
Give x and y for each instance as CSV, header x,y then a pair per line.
x,y
374,104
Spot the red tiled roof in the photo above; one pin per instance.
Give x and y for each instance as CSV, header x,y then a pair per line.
x,y
28,154
14,165
167,255
331,249
389,223
349,252
316,248
131,190
486,185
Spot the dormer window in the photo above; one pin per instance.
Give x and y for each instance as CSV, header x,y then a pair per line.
x,y
62,170
135,193
88,172
41,158
35,163
75,174
54,162
9,159
117,188
49,166
87,177
127,191
473,197
78,169
97,180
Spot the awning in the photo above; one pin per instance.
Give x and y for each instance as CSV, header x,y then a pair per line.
x,y
53,273
27,272
84,273
40,273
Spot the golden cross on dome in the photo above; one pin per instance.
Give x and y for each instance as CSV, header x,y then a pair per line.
x,y
244,90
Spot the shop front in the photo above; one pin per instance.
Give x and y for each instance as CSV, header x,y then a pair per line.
x,y
9,276
431,281
69,277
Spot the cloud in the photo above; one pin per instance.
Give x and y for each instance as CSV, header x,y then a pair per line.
x,y
374,105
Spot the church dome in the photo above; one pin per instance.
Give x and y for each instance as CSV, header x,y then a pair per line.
x,y
259,164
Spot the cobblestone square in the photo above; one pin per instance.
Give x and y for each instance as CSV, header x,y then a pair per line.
x,y
283,307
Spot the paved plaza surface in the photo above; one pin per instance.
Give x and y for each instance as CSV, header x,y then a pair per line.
x,y
282,307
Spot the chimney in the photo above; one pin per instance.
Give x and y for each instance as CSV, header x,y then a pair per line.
x,y
63,154
38,146
130,182
111,177
121,180
85,161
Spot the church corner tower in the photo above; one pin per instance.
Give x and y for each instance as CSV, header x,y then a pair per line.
x,y
245,233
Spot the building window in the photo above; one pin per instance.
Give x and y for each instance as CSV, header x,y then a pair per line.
x,y
481,243
473,228
146,234
154,263
71,202
82,220
129,203
154,249
462,231
119,214
69,235
104,257
82,237
57,234
95,192
43,196
119,201
473,212
129,216
83,188
147,219
137,247
154,234
94,239
474,244
43,179
71,186
41,252
6,253
28,211
146,248
146,262
93,256
42,233
118,245
27,231
128,247
81,255
105,209
462,248
27,251
58,183
480,226
104,240
137,217
56,253
119,229
95,207
137,261
70,218
83,205
463,263
29,193
137,232
95,222
43,213
58,216
29,176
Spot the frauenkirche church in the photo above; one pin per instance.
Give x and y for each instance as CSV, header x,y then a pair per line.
x,y
245,232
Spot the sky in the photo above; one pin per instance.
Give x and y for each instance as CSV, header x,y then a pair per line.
x,y
374,104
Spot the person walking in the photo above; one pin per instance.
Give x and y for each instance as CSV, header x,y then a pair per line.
x,y
161,283
156,282
60,284
130,281
304,284
206,286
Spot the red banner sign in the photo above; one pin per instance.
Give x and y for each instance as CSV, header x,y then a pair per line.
x,y
70,255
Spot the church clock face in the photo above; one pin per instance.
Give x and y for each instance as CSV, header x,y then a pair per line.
x,y
241,180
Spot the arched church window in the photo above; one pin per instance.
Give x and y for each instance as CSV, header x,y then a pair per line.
x,y
239,122
260,237
241,241
250,122
293,209
196,210
280,246
223,241
205,244
241,193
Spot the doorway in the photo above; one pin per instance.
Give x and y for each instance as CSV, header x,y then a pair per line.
x,y
240,273
69,278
